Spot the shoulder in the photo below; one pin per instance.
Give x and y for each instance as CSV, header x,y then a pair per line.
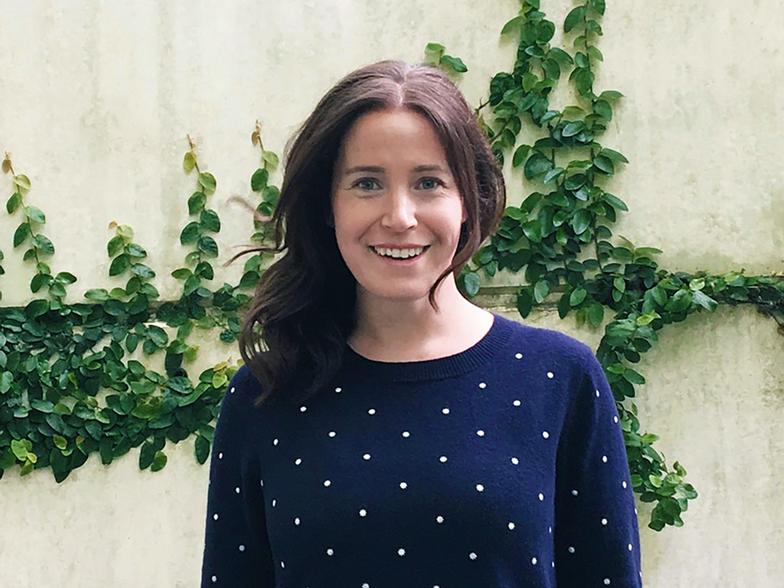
x,y
550,343
243,389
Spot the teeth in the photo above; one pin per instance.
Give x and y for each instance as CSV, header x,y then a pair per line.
x,y
399,253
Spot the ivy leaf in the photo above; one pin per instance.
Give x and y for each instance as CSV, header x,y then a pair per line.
x,y
202,449
472,283
541,290
180,384
137,251
604,164
38,281
146,455
572,128
598,5
188,162
536,164
259,179
190,233
610,95
43,244
551,68
560,56
105,450
454,63
34,214
159,461
13,202
544,31
191,284
613,155
270,196
270,159
704,300
583,79
645,251
59,441
576,15
143,271
114,245
532,230
595,314
580,221
563,305
520,154
614,201
119,265
20,448
552,174
433,52
97,294
575,182
209,221
21,233
157,335
181,273
196,202
513,25
603,109
36,308
594,53
207,181
22,181
524,301
204,269
208,246
633,376
577,296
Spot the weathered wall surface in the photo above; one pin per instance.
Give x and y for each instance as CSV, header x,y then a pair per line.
x,y
96,99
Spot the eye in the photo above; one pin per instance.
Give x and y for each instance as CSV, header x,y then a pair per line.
x,y
358,182
436,180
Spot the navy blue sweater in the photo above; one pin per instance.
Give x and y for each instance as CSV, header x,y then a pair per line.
x,y
500,466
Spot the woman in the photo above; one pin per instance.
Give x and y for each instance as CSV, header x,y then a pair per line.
x,y
384,431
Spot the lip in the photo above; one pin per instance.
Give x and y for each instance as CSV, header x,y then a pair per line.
x,y
403,246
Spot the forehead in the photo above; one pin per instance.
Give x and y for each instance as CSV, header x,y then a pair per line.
x,y
392,138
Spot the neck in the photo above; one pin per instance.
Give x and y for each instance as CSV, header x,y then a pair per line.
x,y
411,327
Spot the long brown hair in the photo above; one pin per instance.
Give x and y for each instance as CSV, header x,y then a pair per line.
x,y
294,333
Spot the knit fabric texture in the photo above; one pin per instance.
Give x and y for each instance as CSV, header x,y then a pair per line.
x,y
501,466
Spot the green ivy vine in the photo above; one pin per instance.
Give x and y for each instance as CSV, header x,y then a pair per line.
x,y
55,357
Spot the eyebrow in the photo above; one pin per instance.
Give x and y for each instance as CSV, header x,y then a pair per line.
x,y
380,170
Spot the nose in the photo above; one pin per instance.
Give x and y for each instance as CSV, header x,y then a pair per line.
x,y
399,211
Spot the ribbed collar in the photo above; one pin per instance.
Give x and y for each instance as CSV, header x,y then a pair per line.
x,y
478,354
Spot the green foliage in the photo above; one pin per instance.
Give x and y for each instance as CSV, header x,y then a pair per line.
x,y
68,384
55,359
571,210
434,55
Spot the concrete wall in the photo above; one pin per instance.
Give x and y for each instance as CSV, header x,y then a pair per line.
x,y
96,99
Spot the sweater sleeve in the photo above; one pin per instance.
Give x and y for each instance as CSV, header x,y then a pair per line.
x,y
597,539
236,548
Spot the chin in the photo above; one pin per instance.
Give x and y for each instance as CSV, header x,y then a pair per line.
x,y
399,292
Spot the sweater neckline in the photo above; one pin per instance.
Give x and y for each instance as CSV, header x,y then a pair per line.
x,y
478,354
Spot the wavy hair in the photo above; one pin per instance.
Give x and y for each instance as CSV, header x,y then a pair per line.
x,y
294,333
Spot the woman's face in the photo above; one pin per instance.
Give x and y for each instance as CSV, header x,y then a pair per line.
x,y
409,197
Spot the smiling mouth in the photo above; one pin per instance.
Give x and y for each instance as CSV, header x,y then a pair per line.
x,y
374,252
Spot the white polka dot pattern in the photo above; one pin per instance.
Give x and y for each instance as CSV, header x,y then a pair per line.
x,y
430,475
